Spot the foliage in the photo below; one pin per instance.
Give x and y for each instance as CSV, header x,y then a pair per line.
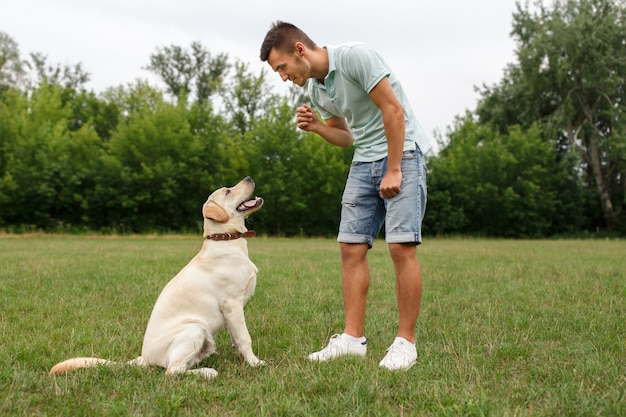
x,y
130,161
47,167
247,98
509,185
190,71
570,80
141,158
70,77
12,69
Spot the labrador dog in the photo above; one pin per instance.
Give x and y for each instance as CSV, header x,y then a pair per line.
x,y
206,295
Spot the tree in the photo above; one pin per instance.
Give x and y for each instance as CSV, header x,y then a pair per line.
x,y
46,169
12,67
69,77
153,187
571,80
247,98
485,183
195,72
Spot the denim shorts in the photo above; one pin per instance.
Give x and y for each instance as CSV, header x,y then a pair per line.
x,y
363,210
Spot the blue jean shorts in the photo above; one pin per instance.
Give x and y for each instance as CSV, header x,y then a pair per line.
x,y
364,211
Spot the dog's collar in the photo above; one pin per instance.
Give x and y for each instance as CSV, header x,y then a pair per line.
x,y
231,236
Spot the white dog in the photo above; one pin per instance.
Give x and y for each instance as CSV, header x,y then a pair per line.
x,y
206,295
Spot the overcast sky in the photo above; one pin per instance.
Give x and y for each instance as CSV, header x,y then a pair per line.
x,y
439,49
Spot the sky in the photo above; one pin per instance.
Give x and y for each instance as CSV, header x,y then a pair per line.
x,y
440,50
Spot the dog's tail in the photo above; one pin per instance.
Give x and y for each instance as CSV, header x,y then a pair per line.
x,y
77,363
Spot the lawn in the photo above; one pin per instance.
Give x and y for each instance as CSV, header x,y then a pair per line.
x,y
507,328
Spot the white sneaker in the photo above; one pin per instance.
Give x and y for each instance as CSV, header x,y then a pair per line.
x,y
401,355
339,346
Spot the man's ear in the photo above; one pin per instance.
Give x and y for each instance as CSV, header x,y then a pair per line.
x,y
214,211
299,49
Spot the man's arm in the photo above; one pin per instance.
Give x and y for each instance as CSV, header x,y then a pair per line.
x,y
336,130
393,117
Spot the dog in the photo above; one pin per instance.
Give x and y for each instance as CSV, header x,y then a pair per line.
x,y
205,296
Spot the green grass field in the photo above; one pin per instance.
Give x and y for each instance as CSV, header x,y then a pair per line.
x,y
507,328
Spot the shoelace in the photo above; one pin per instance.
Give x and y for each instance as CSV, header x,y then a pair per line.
x,y
333,340
397,353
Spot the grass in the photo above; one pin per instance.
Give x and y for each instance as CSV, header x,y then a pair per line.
x,y
507,328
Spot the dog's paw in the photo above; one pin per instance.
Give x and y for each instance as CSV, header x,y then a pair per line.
x,y
258,362
252,360
208,373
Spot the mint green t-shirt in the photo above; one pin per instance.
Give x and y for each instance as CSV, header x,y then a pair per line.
x,y
354,70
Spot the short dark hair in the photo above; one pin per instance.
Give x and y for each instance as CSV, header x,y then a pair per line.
x,y
282,37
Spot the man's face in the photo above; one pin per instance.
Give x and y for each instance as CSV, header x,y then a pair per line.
x,y
290,66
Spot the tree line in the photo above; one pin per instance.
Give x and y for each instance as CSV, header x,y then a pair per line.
x,y
543,154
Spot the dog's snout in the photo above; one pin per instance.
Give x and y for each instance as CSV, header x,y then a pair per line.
x,y
249,179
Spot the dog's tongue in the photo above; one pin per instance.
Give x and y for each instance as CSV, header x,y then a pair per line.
x,y
249,203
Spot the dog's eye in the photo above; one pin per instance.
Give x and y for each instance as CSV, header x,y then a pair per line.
x,y
227,191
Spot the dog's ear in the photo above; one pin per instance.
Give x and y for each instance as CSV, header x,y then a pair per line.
x,y
214,211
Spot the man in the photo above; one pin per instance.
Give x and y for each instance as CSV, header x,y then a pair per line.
x,y
363,104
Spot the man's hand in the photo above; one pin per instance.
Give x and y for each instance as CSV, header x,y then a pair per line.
x,y
390,185
335,131
307,118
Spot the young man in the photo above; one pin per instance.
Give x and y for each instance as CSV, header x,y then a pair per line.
x,y
363,103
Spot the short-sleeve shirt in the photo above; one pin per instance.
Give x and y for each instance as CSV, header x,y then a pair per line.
x,y
354,69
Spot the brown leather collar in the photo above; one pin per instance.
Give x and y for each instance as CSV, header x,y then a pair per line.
x,y
231,236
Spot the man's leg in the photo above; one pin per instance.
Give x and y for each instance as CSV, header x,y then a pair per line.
x,y
402,355
362,215
355,282
408,287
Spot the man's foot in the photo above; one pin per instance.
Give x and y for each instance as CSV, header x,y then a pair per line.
x,y
401,355
339,345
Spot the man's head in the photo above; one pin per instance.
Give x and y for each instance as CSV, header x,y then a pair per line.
x,y
284,48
